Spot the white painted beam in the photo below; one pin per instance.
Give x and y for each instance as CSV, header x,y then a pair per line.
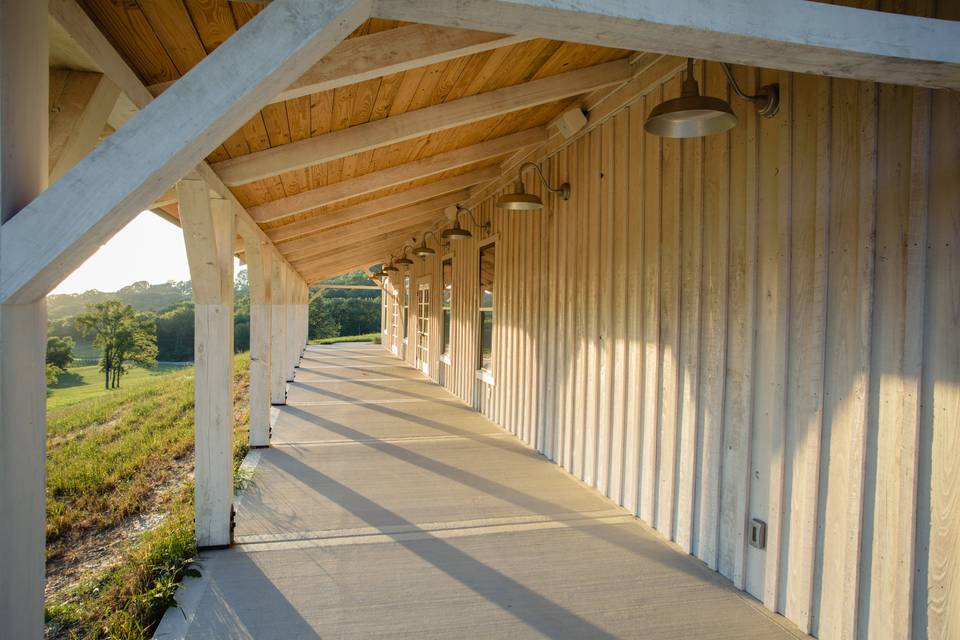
x,y
386,178
24,78
121,176
384,53
78,114
363,137
208,232
806,37
258,256
385,203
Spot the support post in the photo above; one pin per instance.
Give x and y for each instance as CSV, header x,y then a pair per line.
x,y
209,232
23,327
278,333
259,258
291,317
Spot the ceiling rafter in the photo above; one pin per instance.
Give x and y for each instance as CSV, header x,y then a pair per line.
x,y
379,205
413,124
400,174
379,54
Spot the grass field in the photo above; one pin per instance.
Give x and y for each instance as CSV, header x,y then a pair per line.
x,y
118,482
366,337
83,383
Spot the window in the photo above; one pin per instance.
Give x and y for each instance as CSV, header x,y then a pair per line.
x,y
487,270
446,294
396,317
406,305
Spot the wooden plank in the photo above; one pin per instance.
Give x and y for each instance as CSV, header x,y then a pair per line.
x,y
808,283
849,309
738,417
850,43
413,124
898,335
691,266
670,266
634,306
394,176
621,373
652,213
594,341
604,305
940,570
713,337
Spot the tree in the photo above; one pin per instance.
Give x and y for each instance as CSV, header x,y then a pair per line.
x,y
124,337
60,351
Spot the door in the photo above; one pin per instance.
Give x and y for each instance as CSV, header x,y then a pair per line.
x,y
423,328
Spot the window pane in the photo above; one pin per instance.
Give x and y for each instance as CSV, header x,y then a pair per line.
x,y
486,339
487,272
446,331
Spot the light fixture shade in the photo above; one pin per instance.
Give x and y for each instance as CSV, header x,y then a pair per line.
x,y
424,251
390,268
404,261
520,200
456,232
690,117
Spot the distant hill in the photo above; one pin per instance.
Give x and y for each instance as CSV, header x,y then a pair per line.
x,y
139,295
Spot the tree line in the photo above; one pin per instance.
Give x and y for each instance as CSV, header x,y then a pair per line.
x,y
126,334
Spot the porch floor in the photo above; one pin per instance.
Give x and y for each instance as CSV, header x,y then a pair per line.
x,y
387,509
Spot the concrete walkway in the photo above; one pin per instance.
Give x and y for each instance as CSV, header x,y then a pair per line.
x,y
387,509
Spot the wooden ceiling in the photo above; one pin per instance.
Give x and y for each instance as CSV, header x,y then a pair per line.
x,y
163,39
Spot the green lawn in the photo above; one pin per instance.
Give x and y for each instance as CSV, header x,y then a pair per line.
x,y
366,337
83,383
113,456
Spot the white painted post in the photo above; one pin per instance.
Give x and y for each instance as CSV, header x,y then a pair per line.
x,y
291,318
209,232
258,273
278,332
23,327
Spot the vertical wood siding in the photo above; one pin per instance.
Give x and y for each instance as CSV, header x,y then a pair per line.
x,y
760,324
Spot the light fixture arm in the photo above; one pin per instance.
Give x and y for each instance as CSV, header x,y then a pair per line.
x,y
767,101
563,189
430,233
485,225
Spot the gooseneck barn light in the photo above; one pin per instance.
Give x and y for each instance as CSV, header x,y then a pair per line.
x,y
422,249
692,115
456,232
403,260
520,200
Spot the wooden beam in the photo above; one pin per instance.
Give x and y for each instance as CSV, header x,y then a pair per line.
x,y
208,232
278,332
24,77
805,37
75,22
331,193
80,102
259,260
392,221
125,173
413,124
379,205
335,250
387,52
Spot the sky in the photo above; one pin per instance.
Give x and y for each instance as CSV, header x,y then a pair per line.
x,y
149,248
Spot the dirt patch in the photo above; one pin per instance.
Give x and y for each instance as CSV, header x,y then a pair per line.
x,y
94,551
